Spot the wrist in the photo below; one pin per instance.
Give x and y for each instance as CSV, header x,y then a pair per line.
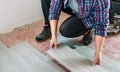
x,y
98,53
53,36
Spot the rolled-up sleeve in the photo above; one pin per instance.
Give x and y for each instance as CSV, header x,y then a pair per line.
x,y
55,9
101,16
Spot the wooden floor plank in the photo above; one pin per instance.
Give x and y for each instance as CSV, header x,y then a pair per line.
x,y
24,58
107,63
7,63
32,59
73,61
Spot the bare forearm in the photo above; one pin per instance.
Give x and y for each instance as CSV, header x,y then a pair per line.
x,y
53,24
99,44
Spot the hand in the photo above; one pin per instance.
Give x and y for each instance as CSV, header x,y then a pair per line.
x,y
53,43
97,59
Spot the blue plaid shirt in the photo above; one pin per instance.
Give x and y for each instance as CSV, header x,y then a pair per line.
x,y
94,13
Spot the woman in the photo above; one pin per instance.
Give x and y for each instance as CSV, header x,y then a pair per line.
x,y
88,14
46,31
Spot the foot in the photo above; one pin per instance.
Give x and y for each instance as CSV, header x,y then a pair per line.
x,y
44,35
87,39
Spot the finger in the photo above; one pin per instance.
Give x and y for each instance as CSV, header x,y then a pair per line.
x,y
51,45
55,46
94,62
99,62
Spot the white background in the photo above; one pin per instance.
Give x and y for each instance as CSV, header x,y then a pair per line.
x,y
16,13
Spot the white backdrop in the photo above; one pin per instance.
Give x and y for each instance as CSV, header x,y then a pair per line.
x,y
15,13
